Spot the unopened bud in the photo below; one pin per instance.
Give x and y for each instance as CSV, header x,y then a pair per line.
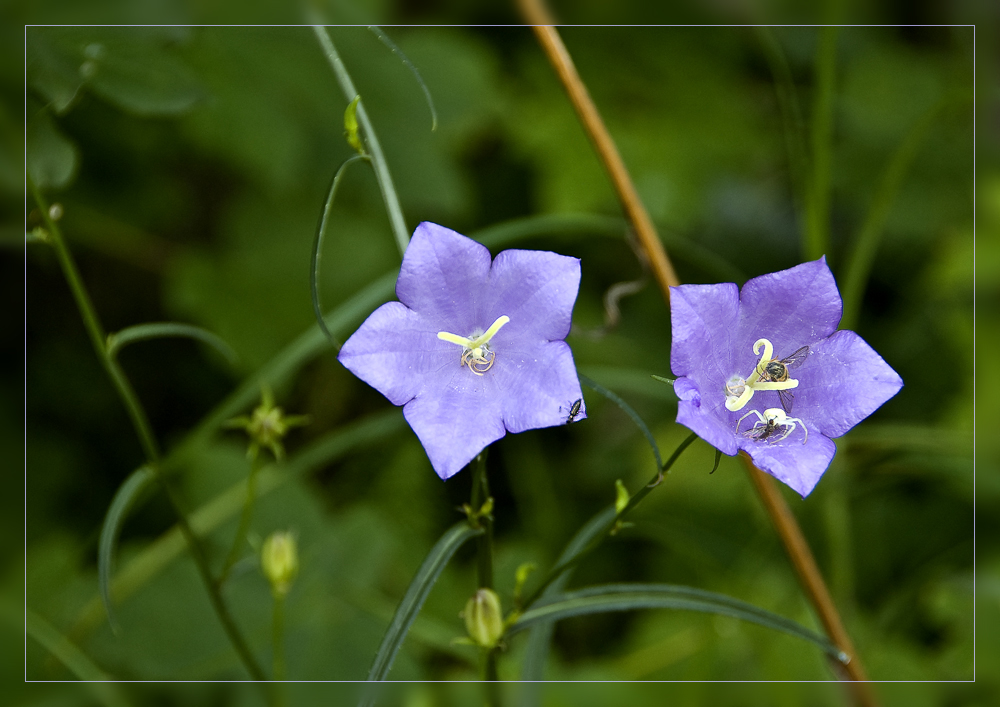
x,y
279,558
483,618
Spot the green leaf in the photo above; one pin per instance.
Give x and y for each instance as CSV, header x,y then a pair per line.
x,y
351,126
597,387
317,251
414,598
159,330
135,68
113,520
629,597
52,158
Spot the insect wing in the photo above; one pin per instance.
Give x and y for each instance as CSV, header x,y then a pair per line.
x,y
796,359
787,398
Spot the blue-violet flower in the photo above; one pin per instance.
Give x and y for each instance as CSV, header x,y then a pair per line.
x,y
764,370
473,349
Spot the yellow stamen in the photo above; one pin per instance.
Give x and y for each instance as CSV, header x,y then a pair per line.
x,y
734,402
476,353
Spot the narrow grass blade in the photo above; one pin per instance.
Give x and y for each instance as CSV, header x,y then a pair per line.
x,y
159,330
119,508
866,243
597,387
413,601
384,38
317,250
629,597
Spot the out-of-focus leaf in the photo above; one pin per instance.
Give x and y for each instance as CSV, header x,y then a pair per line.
x,y
52,67
52,158
134,68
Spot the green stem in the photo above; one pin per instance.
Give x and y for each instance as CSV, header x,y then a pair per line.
x,y
382,174
484,544
817,233
245,517
141,423
602,533
278,638
490,677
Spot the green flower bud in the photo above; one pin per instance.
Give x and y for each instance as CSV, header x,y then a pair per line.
x,y
483,618
279,558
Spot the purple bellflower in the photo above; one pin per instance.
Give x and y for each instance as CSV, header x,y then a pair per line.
x,y
473,349
765,370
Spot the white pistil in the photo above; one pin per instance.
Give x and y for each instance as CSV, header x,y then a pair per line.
x,y
737,397
476,353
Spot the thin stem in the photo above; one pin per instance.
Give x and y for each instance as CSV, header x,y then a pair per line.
x,y
241,531
602,533
809,576
536,14
817,234
141,423
378,162
484,543
278,638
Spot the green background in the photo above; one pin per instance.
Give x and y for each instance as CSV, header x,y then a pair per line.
x,y
192,164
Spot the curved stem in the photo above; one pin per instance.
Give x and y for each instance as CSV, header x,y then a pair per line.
x,y
142,427
392,207
602,527
536,14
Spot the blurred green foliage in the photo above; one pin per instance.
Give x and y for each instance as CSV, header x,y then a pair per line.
x,y
192,164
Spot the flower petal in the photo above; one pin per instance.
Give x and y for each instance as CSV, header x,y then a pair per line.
x,y
537,290
443,277
394,350
843,382
799,465
457,422
791,308
704,322
539,386
709,425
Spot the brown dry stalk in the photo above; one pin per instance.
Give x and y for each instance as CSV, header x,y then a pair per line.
x,y
537,15
555,50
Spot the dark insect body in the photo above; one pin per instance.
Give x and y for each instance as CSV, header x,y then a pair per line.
x,y
776,371
574,411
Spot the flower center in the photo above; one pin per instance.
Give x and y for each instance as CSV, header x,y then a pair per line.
x,y
476,352
764,377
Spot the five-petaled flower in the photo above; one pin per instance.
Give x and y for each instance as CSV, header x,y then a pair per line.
x,y
783,416
473,349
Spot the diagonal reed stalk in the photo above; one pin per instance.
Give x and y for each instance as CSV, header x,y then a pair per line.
x,y
536,14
